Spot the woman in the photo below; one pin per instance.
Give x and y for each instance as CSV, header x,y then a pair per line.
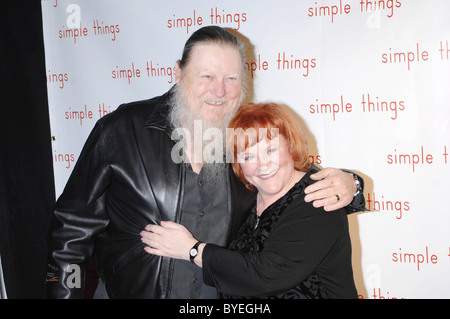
x,y
287,248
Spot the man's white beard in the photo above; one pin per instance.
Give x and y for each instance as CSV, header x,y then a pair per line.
x,y
181,117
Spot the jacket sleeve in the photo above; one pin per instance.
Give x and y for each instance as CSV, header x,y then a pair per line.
x,y
79,216
296,246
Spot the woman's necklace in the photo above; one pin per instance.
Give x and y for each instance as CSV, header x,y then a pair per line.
x,y
259,201
257,221
258,209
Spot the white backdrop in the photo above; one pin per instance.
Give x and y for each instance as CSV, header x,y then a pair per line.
x,y
368,80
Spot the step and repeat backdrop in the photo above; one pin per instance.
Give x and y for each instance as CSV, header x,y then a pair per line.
x,y
368,81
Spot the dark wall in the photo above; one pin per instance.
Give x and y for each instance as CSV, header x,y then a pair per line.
x,y
26,169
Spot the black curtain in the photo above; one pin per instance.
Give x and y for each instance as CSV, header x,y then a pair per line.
x,y
26,169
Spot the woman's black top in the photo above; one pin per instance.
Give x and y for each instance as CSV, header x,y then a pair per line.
x,y
295,251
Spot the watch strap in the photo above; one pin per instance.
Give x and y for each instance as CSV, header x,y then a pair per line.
x,y
358,185
194,249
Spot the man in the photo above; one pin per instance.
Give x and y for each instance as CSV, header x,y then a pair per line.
x,y
130,174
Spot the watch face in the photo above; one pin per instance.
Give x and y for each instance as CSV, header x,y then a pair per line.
x,y
193,252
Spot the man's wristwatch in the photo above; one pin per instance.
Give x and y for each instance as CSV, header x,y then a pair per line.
x,y
358,185
194,251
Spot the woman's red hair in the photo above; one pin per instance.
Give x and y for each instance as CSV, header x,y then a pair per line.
x,y
268,116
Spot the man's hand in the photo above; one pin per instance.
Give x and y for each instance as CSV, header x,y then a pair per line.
x,y
333,190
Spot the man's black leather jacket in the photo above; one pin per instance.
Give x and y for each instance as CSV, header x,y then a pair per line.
x,y
124,180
